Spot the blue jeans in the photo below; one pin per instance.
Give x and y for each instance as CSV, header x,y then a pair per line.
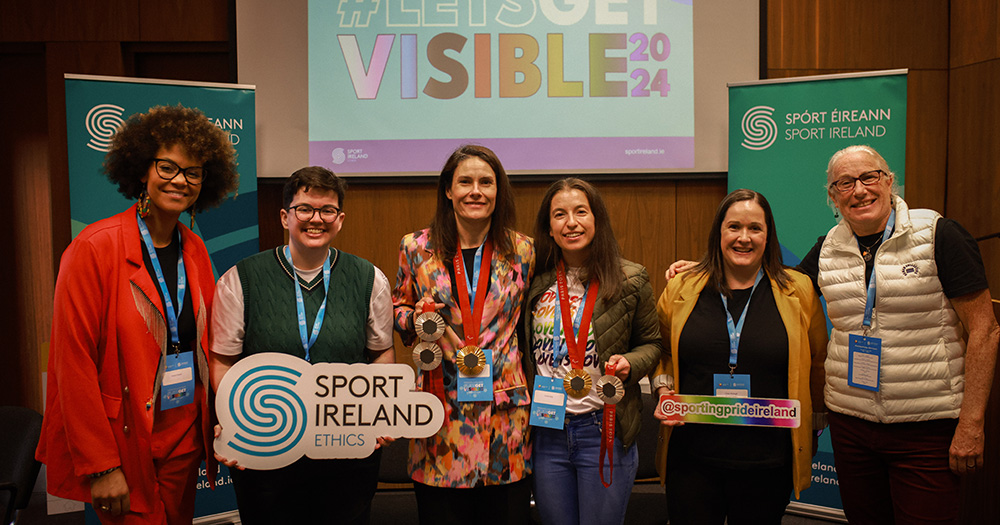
x,y
568,488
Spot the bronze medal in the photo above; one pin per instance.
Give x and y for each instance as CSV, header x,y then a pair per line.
x,y
610,389
427,355
429,326
471,360
577,383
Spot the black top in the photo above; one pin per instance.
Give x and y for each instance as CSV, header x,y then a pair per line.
x,y
960,266
469,261
763,353
168,265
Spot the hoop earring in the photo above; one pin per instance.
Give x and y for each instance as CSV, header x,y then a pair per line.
x,y
144,204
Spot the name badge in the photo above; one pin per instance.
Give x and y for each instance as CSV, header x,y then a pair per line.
x,y
736,385
478,387
864,361
177,388
548,403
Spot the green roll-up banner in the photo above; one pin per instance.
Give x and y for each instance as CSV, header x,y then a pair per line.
x,y
782,133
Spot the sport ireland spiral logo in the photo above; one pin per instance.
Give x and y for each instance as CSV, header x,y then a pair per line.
x,y
268,416
103,120
759,129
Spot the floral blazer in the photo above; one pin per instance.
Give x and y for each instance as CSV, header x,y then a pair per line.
x,y
479,443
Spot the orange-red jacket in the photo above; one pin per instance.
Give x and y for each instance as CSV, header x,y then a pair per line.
x,y
105,361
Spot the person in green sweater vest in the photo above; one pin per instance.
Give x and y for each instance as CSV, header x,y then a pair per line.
x,y
259,306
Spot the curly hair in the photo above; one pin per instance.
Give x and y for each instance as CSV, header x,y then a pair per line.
x,y
136,143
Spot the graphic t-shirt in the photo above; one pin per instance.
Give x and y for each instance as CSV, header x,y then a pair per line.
x,y
543,342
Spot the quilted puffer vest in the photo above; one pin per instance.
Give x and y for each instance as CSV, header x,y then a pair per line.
x,y
923,353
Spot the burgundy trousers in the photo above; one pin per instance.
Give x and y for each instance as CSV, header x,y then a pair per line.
x,y
895,472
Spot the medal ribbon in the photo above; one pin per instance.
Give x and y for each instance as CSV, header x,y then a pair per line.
x,y
434,381
168,306
736,330
608,436
300,307
870,300
576,342
472,316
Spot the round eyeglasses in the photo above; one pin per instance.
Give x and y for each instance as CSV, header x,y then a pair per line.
x,y
305,212
168,170
846,184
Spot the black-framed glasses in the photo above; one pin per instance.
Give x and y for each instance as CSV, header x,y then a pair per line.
x,y
847,184
305,212
168,170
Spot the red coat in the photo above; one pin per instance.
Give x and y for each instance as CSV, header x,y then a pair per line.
x,y
108,335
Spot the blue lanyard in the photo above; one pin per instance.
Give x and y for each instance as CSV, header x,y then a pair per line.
x,y
300,306
870,300
735,330
175,337
474,277
559,348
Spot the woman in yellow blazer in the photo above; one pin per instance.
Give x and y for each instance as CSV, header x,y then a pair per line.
x,y
773,318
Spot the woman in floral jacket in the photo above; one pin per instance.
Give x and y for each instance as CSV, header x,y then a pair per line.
x,y
475,468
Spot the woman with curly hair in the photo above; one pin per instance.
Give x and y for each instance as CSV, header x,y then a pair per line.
x,y
127,421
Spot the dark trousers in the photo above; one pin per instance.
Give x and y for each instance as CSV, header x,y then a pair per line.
x,y
489,505
701,494
895,472
308,491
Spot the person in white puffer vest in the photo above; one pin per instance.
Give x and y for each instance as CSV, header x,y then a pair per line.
x,y
912,351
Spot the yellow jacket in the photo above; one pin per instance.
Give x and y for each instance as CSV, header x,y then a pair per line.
x,y
802,314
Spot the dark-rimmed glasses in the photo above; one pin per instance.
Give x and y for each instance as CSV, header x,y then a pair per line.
x,y
305,212
847,184
168,170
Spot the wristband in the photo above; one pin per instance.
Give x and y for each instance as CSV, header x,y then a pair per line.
x,y
103,473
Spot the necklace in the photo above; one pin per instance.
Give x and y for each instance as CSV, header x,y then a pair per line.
x,y
867,251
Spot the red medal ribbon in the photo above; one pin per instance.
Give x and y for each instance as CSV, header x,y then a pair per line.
x,y
575,343
608,435
472,318
434,380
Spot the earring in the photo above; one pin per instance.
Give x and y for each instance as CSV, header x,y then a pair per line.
x,y
144,204
193,211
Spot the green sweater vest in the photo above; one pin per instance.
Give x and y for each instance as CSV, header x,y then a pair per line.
x,y
271,316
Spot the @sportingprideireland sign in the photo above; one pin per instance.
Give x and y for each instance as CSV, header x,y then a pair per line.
x,y
274,408
747,411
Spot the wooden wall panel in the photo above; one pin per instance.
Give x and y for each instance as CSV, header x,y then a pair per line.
x,y
68,20
857,34
204,62
25,217
697,203
89,58
974,32
926,138
792,40
974,158
184,20
644,215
